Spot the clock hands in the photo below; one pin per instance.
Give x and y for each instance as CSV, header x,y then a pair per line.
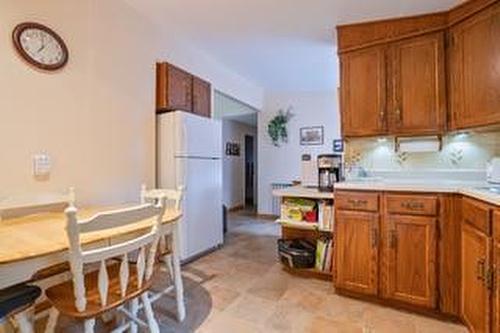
x,y
43,44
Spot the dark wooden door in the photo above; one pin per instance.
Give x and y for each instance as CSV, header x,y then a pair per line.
x,y
409,259
363,92
356,251
475,300
417,86
202,97
475,71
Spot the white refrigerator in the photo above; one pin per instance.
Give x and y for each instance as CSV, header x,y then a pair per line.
x,y
189,155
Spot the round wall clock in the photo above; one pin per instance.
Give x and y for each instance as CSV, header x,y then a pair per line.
x,y
40,46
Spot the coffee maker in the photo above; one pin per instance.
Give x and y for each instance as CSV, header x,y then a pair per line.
x,y
329,171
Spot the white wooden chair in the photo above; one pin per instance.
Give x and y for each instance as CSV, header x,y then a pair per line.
x,y
169,245
113,287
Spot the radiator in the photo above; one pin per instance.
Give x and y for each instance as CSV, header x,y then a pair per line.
x,y
276,203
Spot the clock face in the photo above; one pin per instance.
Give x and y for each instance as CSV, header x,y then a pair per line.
x,y
40,46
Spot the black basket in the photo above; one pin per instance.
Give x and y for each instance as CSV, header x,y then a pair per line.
x,y
297,253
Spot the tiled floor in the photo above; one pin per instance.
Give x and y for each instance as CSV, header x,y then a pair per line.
x,y
242,288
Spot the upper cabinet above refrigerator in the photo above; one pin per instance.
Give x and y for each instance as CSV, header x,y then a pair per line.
x,y
178,90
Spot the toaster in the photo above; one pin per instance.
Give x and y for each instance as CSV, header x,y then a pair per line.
x,y
493,171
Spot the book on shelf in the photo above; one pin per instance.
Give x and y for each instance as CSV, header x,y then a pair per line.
x,y
325,215
324,253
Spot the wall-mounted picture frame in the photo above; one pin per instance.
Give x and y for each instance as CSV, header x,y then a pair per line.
x,y
232,149
312,136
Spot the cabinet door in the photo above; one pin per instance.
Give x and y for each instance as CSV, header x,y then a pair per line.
x,y
363,92
202,100
417,86
496,286
409,259
179,89
356,251
474,70
474,295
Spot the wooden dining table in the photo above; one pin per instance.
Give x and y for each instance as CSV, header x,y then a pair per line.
x,y
33,243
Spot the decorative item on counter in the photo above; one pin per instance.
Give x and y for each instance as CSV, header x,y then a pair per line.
x,y
311,136
277,129
299,209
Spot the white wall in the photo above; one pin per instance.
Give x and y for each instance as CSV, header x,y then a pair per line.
x,y
282,164
234,166
95,118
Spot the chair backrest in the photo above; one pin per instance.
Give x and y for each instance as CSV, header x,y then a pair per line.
x,y
147,241
172,197
21,205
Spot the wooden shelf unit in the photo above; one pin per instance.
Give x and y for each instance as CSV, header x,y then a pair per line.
x,y
305,230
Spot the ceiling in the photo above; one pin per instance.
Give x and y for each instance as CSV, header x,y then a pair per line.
x,y
282,45
249,119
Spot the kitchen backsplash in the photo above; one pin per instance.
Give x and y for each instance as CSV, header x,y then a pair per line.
x,y
470,151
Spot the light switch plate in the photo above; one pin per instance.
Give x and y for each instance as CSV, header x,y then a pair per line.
x,y
41,165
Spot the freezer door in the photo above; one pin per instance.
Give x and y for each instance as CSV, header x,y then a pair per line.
x,y
197,136
201,225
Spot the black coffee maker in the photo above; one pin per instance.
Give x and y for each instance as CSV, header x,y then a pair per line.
x,y
329,171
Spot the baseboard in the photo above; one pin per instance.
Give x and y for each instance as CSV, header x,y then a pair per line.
x,y
236,208
271,217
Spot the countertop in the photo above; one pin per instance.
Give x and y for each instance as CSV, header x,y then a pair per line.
x,y
472,189
302,192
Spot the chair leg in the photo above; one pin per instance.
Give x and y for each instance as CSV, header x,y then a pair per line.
x,y
168,263
89,325
179,288
52,321
24,320
148,310
134,309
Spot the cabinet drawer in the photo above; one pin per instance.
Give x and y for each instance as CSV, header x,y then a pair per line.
x,y
412,204
362,201
476,214
496,225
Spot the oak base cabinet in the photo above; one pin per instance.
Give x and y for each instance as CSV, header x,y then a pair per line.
x,y
356,253
475,296
409,260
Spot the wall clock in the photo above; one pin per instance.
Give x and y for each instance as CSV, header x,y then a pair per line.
x,y
40,46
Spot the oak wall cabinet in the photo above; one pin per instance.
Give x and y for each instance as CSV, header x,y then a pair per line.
x,y
421,75
475,71
396,88
177,89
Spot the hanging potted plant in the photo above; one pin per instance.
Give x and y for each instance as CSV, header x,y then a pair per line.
x,y
277,127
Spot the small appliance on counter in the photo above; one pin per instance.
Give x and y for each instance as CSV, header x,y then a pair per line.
x,y
493,171
309,171
329,171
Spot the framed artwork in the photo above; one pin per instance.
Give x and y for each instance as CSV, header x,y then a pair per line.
x,y
232,149
311,136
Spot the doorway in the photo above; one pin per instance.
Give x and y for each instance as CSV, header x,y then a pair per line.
x,y
249,171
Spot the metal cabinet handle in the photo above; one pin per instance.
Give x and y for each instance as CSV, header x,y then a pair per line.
x,y
399,114
412,205
481,269
358,202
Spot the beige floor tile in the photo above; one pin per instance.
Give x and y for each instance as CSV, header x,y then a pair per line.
x,y
224,323
252,309
222,297
320,324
